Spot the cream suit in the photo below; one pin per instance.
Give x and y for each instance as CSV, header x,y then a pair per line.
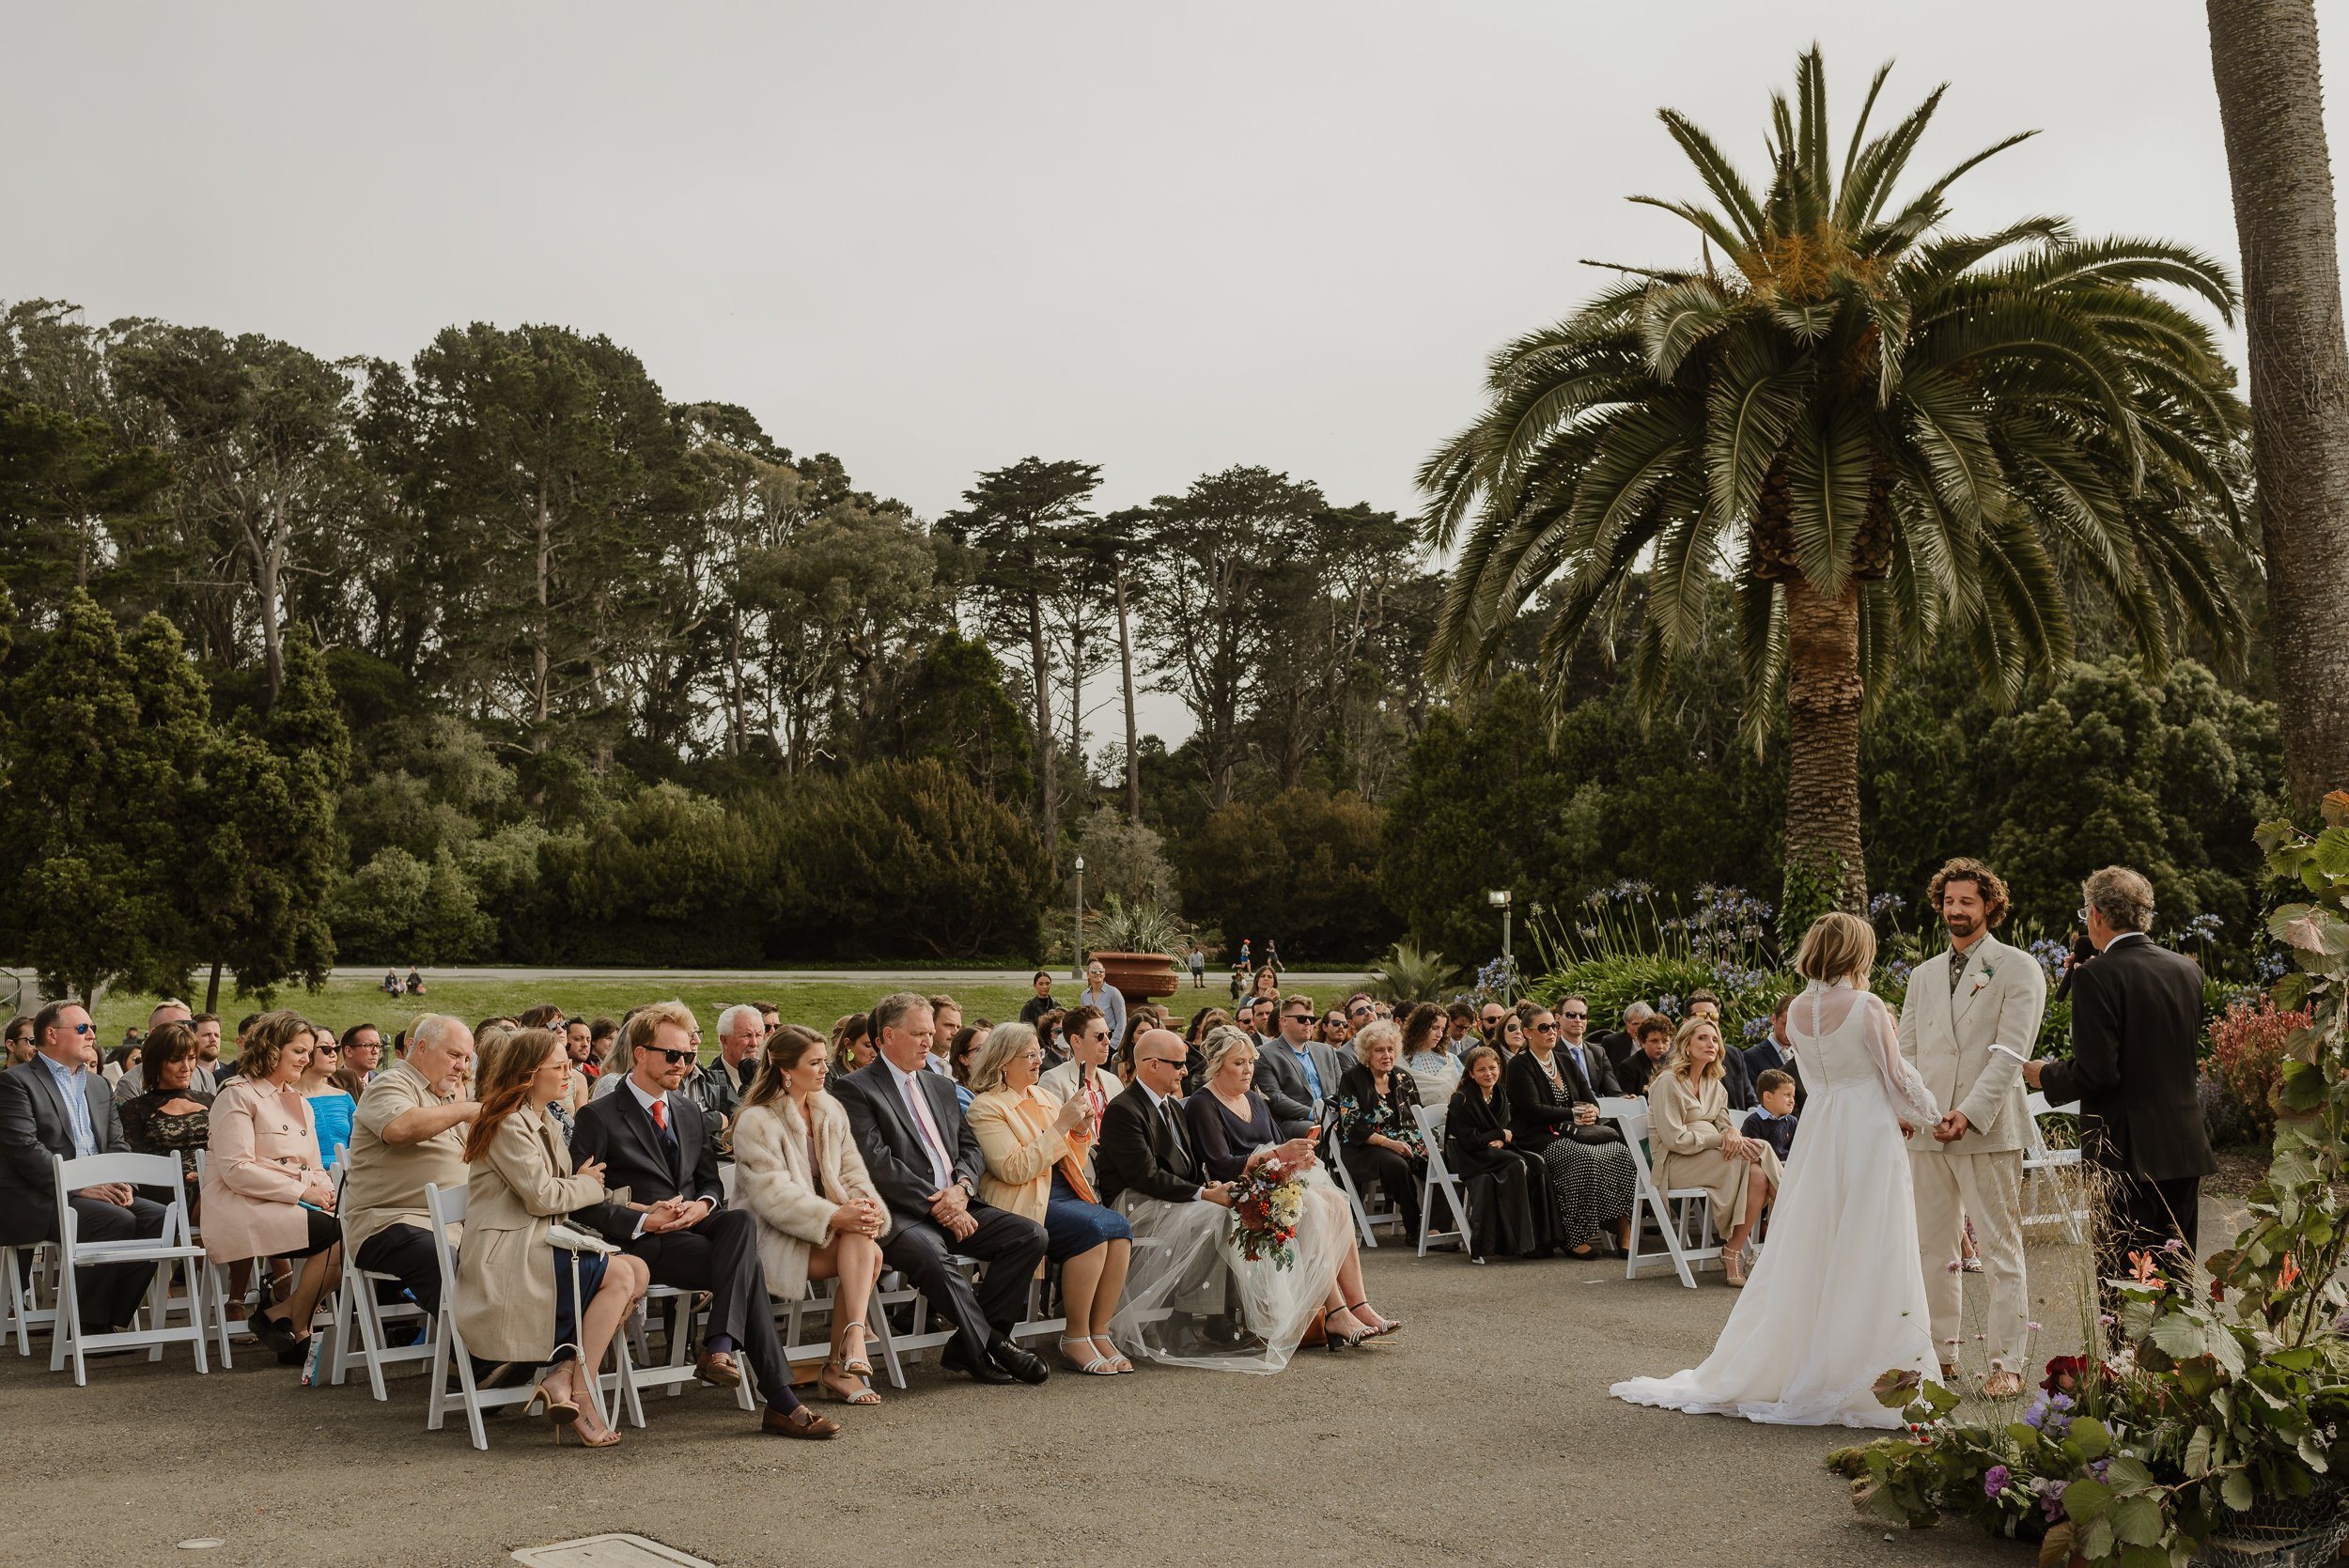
x,y
1969,1047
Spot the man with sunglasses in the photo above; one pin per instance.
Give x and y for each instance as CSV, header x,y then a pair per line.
x,y
1296,1073
52,1105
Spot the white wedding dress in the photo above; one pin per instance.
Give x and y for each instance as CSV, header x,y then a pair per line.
x,y
1838,1297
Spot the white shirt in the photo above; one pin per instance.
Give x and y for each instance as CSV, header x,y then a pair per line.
x,y
649,1101
933,1137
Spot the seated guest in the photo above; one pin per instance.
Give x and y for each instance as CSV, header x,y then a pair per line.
x,y
656,1143
851,1044
331,1104
407,1133
123,1069
1650,1041
1619,1046
1075,1025
20,1038
518,1299
959,1052
1083,1076
1035,1145
363,1051
926,1163
1508,1037
1593,1069
1296,1075
1507,1199
1377,1120
718,1087
1333,1031
52,1105
1697,1145
1232,1128
122,1058
946,1023
173,1117
266,1191
1592,1182
1776,1050
796,1169
1459,1025
618,1061
1427,1056
1147,1015
1772,1121
1203,1021
1048,1027
1489,1024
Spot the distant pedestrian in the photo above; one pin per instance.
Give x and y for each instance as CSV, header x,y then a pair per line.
x,y
1198,968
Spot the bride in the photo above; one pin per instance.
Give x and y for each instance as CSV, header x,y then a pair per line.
x,y
1838,1298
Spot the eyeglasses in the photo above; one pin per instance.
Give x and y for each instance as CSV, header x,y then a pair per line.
x,y
1545,1028
2082,914
1578,1016
675,1056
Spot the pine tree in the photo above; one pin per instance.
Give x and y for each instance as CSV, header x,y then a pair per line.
x,y
65,820
159,776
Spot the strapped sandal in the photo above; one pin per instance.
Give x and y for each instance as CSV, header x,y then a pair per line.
x,y
1098,1366
1387,1325
864,1394
860,1367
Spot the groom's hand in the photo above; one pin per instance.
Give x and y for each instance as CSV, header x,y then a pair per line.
x,y
2032,1071
1949,1128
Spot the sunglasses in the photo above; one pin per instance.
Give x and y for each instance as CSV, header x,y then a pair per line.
x,y
1544,1028
1165,1061
1360,1012
674,1056
1299,1017
80,1028
1576,1016
330,1050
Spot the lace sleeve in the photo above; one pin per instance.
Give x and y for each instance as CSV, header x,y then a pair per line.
x,y
1911,1100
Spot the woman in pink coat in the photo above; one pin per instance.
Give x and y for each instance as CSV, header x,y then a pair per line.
x,y
266,1191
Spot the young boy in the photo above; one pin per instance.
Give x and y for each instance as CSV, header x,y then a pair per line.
x,y
1773,1120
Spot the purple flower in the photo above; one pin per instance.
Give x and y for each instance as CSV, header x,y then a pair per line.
x,y
2060,1401
1952,1267
2099,1466
1994,1480
2051,1501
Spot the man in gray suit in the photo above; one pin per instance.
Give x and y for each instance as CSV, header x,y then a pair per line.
x,y
1295,1075
55,1106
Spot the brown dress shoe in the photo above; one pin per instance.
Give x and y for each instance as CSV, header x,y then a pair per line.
x,y
800,1422
718,1366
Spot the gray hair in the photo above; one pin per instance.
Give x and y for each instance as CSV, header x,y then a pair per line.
x,y
1385,1030
1222,1041
1636,1010
891,1010
2122,896
727,1019
1003,1042
433,1031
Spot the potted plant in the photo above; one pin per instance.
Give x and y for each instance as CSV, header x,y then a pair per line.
x,y
1135,946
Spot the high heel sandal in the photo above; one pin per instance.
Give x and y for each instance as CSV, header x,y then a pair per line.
x,y
1734,1269
561,1412
860,1367
1333,1340
579,1430
864,1394
1096,1365
1386,1325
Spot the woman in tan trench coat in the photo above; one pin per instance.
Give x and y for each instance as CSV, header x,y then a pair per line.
x,y
514,1297
1696,1143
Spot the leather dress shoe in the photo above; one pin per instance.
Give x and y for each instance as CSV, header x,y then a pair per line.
x,y
799,1421
1026,1365
982,1370
717,1366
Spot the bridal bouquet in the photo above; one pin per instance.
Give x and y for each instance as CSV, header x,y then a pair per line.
x,y
1267,1204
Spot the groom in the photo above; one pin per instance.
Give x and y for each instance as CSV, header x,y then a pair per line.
x,y
1969,1024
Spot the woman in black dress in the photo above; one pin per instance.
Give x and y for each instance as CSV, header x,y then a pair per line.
x,y
1508,1212
1378,1135
1592,1181
171,1116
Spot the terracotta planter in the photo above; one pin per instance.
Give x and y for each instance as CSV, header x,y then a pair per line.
x,y
1139,976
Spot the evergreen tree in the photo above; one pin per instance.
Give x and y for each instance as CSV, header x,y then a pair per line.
x,y
161,773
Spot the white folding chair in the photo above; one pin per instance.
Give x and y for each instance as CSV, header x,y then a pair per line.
x,y
2053,1170
28,1275
1439,1180
446,1208
1365,1219
1684,1215
676,1369
172,1245
359,1313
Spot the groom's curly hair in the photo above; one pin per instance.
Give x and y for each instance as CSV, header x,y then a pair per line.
x,y
1965,868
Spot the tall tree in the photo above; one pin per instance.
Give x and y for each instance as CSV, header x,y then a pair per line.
x,y
1891,436
2271,103
1014,518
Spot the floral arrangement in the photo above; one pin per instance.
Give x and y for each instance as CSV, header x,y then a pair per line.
x,y
2246,1056
2218,1425
1267,1204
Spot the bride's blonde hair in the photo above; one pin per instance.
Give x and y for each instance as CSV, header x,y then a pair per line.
x,y
1838,946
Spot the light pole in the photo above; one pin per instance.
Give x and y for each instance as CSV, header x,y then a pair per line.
x,y
1077,962
1499,899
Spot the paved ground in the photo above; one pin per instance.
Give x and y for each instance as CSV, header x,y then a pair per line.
x,y
1482,1433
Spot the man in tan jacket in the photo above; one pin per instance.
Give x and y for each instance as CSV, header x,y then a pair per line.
x,y
1969,1022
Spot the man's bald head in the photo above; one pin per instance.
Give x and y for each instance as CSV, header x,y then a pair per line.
x,y
1160,1058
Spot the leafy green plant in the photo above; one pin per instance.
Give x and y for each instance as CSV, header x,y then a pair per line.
x,y
1407,975
1122,927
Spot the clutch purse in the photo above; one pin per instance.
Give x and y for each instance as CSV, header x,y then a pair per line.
x,y
564,1239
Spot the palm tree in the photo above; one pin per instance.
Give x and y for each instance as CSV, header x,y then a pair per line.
x,y
1890,435
2271,103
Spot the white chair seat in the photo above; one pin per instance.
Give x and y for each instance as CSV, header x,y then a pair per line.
x,y
172,1245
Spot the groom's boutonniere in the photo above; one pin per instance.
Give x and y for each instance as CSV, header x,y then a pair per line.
x,y
1989,972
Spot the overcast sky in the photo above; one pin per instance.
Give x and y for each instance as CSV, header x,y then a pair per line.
x,y
936,239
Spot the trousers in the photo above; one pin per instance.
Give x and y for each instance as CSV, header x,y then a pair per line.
x,y
1988,1189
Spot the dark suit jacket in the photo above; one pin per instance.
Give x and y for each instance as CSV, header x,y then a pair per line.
x,y
1599,1079
1138,1152
1763,1058
1737,1079
892,1146
2137,1018
619,1132
33,1126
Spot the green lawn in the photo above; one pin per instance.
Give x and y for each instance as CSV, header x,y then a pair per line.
x,y
354,999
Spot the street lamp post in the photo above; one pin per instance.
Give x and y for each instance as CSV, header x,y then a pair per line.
x,y
1077,962
1499,899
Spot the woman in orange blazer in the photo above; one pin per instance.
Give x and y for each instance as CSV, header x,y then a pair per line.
x,y
266,1191
1035,1146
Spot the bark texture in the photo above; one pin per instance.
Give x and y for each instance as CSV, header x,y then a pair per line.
x,y
1824,696
2263,54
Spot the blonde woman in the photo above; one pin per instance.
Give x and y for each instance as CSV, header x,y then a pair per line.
x,y
1697,1144
1838,1297
820,1216
1035,1144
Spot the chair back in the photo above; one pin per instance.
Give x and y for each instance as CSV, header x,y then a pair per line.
x,y
1630,1112
446,1206
126,1169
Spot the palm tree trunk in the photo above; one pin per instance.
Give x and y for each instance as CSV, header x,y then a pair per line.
x,y
2263,54
1825,865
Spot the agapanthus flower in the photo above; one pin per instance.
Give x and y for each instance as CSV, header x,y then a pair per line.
x,y
1994,1480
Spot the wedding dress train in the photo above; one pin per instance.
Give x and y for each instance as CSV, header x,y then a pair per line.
x,y
1838,1297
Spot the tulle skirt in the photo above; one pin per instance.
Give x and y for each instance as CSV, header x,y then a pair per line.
x,y
1188,1274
